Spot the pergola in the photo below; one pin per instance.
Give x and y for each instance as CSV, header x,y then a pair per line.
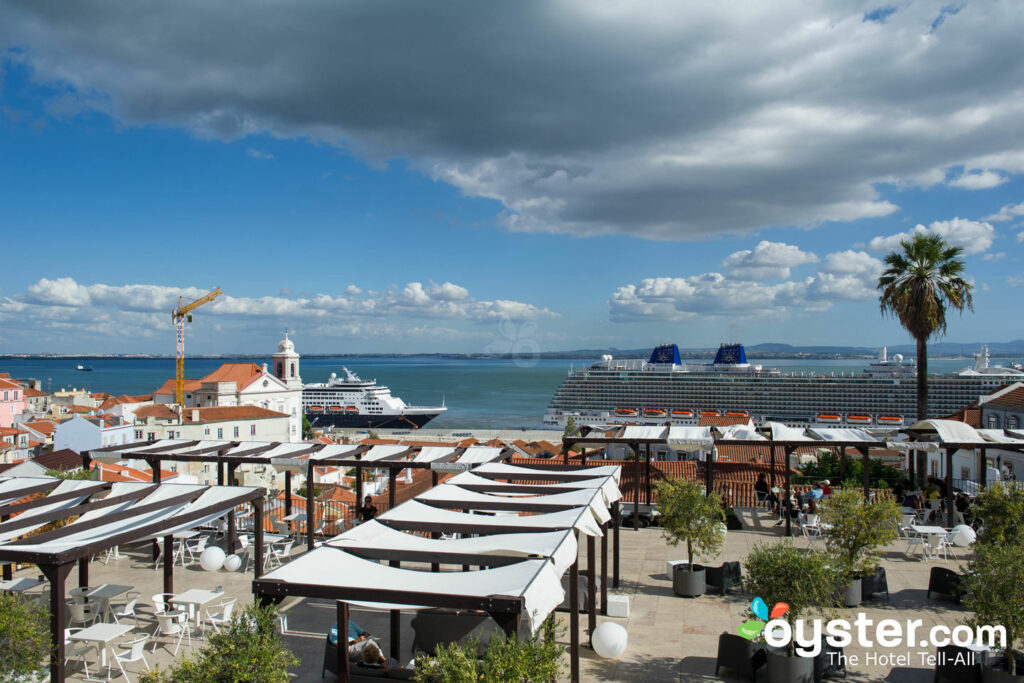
x,y
300,457
128,512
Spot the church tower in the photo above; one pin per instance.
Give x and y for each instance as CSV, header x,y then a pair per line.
x,y
286,363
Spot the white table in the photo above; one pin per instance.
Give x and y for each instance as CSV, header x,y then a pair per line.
x,y
105,593
103,635
195,599
929,530
19,585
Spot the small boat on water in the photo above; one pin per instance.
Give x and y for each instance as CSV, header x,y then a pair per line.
x,y
83,368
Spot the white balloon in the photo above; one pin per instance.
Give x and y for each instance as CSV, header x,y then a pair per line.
x,y
232,563
609,640
212,559
963,536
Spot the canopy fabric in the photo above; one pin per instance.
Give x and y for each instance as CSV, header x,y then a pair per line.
x,y
415,511
558,546
248,446
10,488
949,431
432,453
781,432
999,436
609,489
740,433
503,468
333,451
906,446
693,438
88,488
479,454
118,489
110,457
1016,433
637,432
841,434
383,452
280,450
591,498
535,581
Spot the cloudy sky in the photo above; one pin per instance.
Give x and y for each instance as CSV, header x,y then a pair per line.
x,y
467,176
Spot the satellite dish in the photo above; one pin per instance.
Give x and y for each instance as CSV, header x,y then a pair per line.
x,y
898,358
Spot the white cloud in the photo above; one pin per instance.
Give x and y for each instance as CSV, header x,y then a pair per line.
x,y
1007,213
738,132
352,290
766,261
995,257
1020,237
254,153
1015,280
978,180
974,236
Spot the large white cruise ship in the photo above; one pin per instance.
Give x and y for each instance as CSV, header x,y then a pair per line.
x,y
348,401
663,389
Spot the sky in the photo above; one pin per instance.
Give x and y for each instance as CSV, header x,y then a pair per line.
x,y
382,176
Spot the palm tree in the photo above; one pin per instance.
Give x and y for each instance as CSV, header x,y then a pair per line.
x,y
920,283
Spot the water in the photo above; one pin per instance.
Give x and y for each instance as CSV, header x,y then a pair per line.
x,y
498,394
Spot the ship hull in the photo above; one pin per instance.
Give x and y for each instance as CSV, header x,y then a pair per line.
x,y
355,421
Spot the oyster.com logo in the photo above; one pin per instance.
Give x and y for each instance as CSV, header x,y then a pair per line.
x,y
751,629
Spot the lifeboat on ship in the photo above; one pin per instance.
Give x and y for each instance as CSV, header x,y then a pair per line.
x,y
710,413
737,413
893,420
829,418
655,412
625,412
859,419
334,409
351,409
682,413
315,409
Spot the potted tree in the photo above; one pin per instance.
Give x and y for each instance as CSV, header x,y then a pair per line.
x,y
688,515
856,528
993,580
783,576
24,638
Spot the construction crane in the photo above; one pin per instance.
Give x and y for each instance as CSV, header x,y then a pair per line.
x,y
181,315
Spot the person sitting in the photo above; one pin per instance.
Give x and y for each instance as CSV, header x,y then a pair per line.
x,y
899,489
812,507
358,639
373,658
826,487
368,511
764,493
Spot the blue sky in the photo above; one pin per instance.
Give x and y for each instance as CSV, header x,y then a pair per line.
x,y
539,189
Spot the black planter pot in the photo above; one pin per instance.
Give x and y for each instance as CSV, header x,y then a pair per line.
x,y
996,673
732,523
850,596
785,669
687,583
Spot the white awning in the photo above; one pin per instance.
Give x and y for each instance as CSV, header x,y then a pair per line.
x,y
949,431
432,453
1016,433
609,489
781,432
740,433
383,451
503,468
535,581
415,511
636,432
110,457
689,438
479,454
999,436
842,434
591,498
333,451
558,546
87,487
11,488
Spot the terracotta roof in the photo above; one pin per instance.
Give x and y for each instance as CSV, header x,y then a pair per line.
x,y
221,413
84,410
47,427
5,375
122,473
8,384
31,393
124,399
64,459
971,415
100,394
378,442
160,411
1011,399
11,431
242,374
721,420
167,388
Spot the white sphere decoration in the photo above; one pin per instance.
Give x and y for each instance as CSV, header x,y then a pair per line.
x,y
963,536
609,640
232,563
212,559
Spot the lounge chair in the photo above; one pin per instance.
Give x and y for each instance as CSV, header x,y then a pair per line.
x,y
738,654
723,578
945,582
952,664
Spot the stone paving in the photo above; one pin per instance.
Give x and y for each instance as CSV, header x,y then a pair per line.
x,y
671,638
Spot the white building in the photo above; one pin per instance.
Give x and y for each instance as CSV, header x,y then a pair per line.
x,y
86,432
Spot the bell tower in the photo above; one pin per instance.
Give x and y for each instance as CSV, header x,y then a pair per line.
x,y
286,363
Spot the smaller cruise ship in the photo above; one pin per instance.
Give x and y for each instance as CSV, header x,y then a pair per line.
x,y
350,402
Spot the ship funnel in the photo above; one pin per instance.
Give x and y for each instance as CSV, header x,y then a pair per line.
x,y
981,358
883,354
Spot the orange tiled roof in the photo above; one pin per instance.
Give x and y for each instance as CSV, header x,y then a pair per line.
x,y
11,431
1011,399
242,374
42,426
83,410
221,413
722,420
122,473
160,411
167,388
7,384
971,415
31,393
112,401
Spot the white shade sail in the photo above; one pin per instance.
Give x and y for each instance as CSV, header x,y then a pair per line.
x,y
740,433
110,457
479,454
636,432
689,438
999,436
535,581
842,434
415,511
334,451
558,546
432,453
781,432
949,431
86,487
609,489
11,489
504,469
590,498
383,451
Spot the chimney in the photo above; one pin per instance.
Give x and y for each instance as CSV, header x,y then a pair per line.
x,y
195,415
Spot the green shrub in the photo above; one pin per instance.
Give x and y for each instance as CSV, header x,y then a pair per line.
x,y
688,515
505,659
1001,510
857,529
994,582
24,636
247,650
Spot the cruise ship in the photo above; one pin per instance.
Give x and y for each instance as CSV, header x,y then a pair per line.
x,y
664,389
348,401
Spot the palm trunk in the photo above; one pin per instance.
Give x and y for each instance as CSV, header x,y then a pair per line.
x,y
922,378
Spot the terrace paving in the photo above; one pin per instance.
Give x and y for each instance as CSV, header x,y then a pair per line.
x,y
671,638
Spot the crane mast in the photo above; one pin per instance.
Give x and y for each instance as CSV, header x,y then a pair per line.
x,y
181,315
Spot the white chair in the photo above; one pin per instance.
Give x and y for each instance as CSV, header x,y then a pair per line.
x,y
282,527
194,548
934,544
77,649
80,594
121,610
83,613
810,529
132,651
280,552
173,625
220,614
914,540
163,602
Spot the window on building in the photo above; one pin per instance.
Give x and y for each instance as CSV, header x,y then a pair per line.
x,y
220,432
1011,421
236,431
5,396
992,421
151,436
252,429
138,434
206,432
293,369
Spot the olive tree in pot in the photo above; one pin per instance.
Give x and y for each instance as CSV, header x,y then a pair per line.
x,y
795,583
688,515
993,581
856,528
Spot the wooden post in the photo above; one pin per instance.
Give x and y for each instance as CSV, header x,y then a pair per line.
x,y
615,554
591,586
789,512
392,477
342,642
8,568
647,476
950,506
57,575
636,487
258,537
310,505
433,477
574,622
604,568
168,564
220,473
359,486
230,550
771,461
709,472
866,461
842,465
83,571
396,634
982,468
287,493
565,452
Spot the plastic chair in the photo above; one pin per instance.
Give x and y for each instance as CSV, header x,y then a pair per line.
x,y
126,609
935,544
84,613
76,649
80,594
220,614
280,551
135,650
194,548
172,624
163,602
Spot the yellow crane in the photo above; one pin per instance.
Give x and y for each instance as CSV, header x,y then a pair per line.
x,y
181,315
